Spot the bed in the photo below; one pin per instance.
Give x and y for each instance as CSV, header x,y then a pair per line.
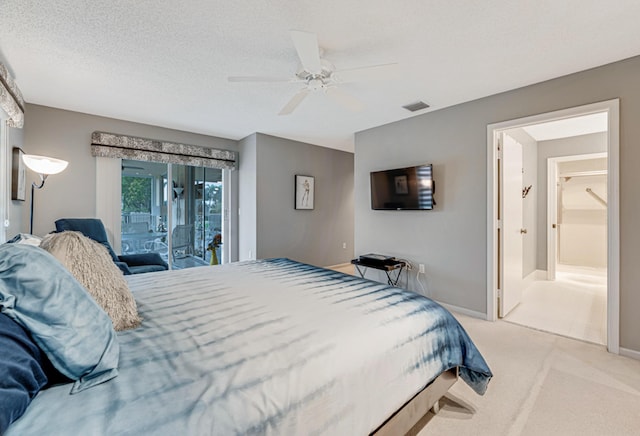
x,y
272,347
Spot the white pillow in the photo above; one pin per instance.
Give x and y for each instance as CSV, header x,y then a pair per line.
x,y
92,266
26,238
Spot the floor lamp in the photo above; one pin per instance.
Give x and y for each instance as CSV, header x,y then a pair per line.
x,y
43,166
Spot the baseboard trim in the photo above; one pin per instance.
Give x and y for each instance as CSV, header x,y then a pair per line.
x,y
630,353
534,276
340,265
463,311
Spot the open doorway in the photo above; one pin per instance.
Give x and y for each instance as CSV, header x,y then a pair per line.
x,y
570,299
582,211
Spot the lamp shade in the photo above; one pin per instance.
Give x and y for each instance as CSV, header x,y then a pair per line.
x,y
43,164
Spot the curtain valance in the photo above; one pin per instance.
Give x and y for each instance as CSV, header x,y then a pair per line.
x,y
151,150
11,98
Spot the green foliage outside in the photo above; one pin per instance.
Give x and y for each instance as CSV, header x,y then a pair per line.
x,y
214,197
136,194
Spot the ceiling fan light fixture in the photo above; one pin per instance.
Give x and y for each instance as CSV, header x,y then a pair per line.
x,y
416,106
319,75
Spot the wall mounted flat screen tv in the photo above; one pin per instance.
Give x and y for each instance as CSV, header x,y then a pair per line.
x,y
410,188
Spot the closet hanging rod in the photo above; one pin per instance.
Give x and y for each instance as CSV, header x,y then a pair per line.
x,y
596,197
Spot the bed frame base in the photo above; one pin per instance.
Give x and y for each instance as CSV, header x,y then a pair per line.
x,y
408,415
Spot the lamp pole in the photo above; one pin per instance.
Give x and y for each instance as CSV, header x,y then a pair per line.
x,y
43,177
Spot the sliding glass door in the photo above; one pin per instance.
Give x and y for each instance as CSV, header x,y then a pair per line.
x,y
173,210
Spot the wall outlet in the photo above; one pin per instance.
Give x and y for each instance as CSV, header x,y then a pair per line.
x,y
421,268
250,253
344,245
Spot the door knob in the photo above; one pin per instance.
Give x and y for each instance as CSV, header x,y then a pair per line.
x,y
523,230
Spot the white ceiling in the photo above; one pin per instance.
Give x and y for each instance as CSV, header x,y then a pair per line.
x,y
166,63
568,127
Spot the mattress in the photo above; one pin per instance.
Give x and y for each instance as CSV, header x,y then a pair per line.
x,y
272,347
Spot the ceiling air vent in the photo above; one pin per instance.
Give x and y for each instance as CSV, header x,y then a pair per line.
x,y
418,105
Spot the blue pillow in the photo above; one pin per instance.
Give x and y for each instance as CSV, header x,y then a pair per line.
x,y
22,369
77,336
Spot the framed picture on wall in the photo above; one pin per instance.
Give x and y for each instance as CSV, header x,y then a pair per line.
x,y
304,192
18,176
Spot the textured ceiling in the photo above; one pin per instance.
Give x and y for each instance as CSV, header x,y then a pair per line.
x,y
166,63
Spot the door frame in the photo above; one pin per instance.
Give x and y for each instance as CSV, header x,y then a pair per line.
x,y
612,108
109,204
552,205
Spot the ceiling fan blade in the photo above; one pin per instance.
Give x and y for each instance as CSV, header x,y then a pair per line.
x,y
294,102
308,51
344,99
263,79
370,72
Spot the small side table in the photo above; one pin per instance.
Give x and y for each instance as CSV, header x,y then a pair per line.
x,y
388,268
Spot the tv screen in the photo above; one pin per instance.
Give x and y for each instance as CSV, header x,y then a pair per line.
x,y
409,188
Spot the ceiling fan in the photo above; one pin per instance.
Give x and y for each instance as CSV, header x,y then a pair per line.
x,y
318,74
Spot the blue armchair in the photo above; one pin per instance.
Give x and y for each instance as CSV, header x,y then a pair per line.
x,y
130,263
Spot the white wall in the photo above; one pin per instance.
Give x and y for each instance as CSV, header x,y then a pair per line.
x,y
248,203
451,240
582,223
576,145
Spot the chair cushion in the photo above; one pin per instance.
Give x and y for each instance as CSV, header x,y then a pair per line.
x,y
124,268
91,265
142,259
64,321
139,269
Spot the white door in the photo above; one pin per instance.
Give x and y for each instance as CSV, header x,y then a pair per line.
x,y
552,218
512,230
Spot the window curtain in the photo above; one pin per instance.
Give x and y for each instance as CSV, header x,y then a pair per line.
x,y
133,148
11,98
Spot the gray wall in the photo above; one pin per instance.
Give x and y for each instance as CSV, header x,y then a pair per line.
x,y
269,226
451,240
584,144
67,135
311,236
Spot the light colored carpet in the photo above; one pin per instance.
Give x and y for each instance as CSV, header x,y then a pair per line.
x,y
573,305
543,385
